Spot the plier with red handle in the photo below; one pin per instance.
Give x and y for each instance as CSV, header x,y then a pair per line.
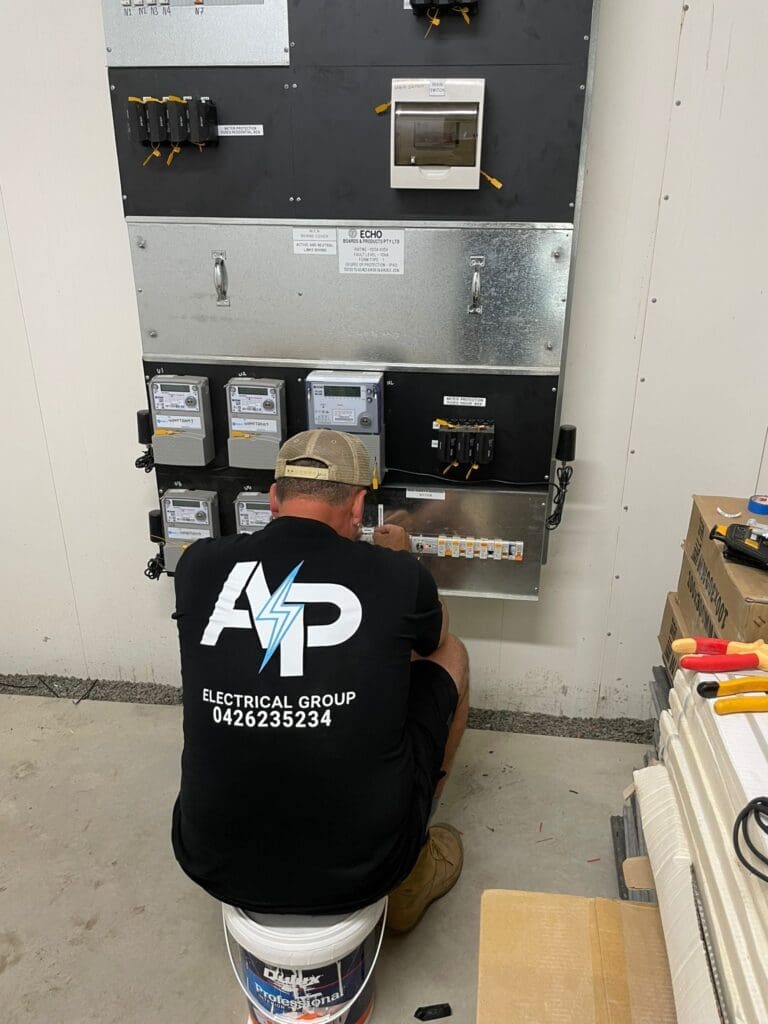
x,y
737,696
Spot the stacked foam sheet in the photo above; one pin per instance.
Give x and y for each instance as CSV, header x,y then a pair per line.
x,y
716,765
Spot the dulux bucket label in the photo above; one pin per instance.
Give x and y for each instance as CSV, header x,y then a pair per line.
x,y
284,990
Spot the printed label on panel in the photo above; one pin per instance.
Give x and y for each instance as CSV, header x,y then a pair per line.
x,y
371,251
314,241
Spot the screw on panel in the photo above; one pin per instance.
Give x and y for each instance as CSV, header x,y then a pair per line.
x,y
586,39
290,199
298,199
152,334
286,86
571,205
654,300
549,345
109,49
294,86
678,103
632,451
582,88
293,44
141,242
535,590
642,380
124,197
666,198
554,391
111,88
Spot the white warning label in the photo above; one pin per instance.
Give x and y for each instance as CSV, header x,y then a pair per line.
x,y
371,251
179,422
314,241
253,425
240,130
465,400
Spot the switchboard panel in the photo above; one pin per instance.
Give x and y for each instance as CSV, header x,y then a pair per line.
x,y
354,216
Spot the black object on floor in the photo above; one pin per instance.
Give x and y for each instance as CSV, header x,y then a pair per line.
x,y
436,1012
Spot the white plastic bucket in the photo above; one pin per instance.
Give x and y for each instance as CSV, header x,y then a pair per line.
x,y
302,969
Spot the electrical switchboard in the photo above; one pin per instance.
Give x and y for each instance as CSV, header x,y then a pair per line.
x,y
365,227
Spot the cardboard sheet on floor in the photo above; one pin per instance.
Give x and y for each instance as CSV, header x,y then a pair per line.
x,y
550,959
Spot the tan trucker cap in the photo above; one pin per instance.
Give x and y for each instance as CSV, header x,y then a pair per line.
x,y
345,458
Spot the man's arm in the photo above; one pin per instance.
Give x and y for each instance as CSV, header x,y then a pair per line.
x,y
428,638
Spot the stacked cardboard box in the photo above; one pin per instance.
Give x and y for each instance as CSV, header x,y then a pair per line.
x,y
714,597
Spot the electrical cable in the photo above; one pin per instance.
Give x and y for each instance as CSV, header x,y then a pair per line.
x,y
155,567
564,474
472,483
756,809
146,461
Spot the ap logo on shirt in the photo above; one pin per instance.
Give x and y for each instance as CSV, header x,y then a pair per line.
x,y
278,617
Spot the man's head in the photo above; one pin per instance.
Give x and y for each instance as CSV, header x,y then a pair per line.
x,y
322,474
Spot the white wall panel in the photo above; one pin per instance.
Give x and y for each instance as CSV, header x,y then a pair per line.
x,y
700,405
63,206
39,629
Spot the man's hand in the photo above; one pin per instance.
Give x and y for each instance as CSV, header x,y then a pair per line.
x,y
393,537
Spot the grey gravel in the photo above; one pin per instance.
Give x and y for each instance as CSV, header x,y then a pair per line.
x,y
627,730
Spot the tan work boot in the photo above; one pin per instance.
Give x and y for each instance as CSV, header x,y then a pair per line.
x,y
436,872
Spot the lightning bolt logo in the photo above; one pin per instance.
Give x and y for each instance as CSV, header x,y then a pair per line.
x,y
278,615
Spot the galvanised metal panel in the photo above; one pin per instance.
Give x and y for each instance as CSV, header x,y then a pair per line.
x,y
283,307
181,33
506,515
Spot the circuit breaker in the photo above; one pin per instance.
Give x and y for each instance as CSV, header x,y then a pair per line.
x,y
256,417
437,132
187,516
182,431
352,401
252,511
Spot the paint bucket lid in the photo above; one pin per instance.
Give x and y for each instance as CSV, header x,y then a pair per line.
x,y
292,941
758,504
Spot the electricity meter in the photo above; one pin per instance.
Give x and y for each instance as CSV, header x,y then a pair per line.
x,y
437,128
352,401
182,432
252,511
187,516
256,413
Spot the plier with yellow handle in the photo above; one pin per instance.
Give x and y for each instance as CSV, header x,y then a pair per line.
x,y
736,696
731,694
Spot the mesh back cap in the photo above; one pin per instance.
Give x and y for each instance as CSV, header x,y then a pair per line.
x,y
345,459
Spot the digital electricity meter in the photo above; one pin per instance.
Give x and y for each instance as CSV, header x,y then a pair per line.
x,y
352,401
256,414
252,511
182,430
187,516
436,132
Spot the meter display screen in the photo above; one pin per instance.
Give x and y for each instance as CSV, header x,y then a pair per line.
x,y
253,391
178,503
174,387
337,391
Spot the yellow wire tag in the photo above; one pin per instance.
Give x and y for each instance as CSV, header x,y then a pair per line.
x,y
155,152
492,181
434,21
174,152
464,12
382,108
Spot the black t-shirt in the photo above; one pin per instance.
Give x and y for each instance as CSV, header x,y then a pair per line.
x,y
297,772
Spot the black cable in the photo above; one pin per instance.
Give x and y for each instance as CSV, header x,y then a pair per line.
x,y
470,483
155,567
564,474
146,461
756,809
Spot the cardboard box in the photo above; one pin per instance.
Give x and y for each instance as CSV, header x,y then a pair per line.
x,y
673,626
733,597
696,611
546,959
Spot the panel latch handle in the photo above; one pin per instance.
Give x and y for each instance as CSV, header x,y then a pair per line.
x,y
221,280
477,263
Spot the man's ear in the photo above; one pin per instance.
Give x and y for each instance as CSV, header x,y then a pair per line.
x,y
274,507
358,506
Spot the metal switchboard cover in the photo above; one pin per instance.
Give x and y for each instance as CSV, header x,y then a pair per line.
x,y
184,33
456,513
489,296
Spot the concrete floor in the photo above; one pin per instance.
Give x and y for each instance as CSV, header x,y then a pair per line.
x,y
99,926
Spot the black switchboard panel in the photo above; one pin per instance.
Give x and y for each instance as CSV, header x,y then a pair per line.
x,y
522,407
324,153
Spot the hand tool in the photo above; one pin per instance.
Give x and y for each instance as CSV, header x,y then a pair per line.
x,y
730,687
741,705
742,543
711,645
726,662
